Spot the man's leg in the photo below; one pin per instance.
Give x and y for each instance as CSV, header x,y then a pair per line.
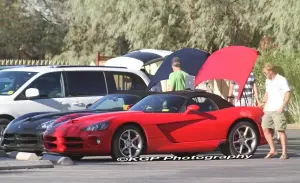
x,y
280,125
268,128
278,138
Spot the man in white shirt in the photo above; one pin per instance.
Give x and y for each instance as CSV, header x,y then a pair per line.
x,y
275,103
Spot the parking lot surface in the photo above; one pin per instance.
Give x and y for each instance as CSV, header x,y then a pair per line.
x,y
102,169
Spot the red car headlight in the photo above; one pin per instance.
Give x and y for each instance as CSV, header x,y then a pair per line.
x,y
97,126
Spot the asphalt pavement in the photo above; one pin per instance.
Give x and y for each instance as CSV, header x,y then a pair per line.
x,y
102,169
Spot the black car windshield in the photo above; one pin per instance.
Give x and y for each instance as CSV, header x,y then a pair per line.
x,y
160,103
11,81
115,102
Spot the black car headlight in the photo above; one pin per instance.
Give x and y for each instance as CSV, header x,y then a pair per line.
x,y
45,125
97,127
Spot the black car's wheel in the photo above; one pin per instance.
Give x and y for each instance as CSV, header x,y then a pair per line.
x,y
243,139
39,153
185,154
75,157
3,123
129,141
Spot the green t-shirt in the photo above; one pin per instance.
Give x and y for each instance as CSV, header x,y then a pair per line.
x,y
177,80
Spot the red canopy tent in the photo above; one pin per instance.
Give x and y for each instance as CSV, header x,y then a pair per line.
x,y
232,63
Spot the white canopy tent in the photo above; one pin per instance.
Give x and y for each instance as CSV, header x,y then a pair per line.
x,y
137,59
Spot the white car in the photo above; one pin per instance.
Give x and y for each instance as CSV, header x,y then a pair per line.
x,y
61,88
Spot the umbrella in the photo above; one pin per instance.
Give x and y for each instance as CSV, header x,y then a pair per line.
x,y
191,61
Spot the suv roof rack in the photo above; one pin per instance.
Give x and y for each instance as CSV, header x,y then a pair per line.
x,y
70,66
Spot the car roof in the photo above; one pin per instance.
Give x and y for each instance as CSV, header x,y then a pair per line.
x,y
46,69
222,103
140,93
187,93
13,66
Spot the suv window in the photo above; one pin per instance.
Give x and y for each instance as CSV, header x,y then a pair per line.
x,y
11,81
86,83
49,85
119,81
204,103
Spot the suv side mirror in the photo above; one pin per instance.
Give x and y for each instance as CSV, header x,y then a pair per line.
x,y
192,108
32,92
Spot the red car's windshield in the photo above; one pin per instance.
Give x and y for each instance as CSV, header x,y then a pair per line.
x,y
115,102
160,103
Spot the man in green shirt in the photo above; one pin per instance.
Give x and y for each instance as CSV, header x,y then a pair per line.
x,y
177,78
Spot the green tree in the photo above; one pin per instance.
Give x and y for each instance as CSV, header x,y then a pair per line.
x,y
279,20
114,27
28,29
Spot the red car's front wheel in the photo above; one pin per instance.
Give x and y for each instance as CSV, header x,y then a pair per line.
x,y
129,141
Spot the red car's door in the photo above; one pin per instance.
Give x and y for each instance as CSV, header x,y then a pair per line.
x,y
192,127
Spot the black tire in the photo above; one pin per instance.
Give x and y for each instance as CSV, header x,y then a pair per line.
x,y
76,157
115,150
242,124
185,154
224,148
39,153
3,123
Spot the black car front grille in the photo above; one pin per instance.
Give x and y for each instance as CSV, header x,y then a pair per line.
x,y
21,139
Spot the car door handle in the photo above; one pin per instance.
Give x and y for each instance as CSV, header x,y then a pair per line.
x,y
80,104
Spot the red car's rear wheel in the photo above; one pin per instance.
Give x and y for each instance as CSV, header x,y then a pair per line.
x,y
129,141
243,139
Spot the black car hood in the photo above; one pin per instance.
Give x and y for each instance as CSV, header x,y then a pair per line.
x,y
30,123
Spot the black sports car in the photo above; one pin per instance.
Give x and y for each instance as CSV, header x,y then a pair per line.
x,y
26,132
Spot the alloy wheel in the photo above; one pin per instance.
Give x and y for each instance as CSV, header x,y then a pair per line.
x,y
244,140
130,143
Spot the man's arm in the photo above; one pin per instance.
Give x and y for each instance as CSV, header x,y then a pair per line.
x,y
171,83
286,89
255,91
265,99
287,97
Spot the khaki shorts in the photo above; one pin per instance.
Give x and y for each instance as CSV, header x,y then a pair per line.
x,y
274,120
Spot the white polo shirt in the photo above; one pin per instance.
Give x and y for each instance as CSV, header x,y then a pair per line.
x,y
276,90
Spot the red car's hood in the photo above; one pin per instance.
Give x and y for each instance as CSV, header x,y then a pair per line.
x,y
86,119
96,117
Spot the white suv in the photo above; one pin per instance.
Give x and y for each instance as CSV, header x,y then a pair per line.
x,y
61,88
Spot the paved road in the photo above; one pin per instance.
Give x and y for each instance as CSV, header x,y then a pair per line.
x,y
92,170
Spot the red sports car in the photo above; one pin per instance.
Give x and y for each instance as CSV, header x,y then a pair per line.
x,y
179,123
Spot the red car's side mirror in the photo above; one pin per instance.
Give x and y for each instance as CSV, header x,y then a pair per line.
x,y
192,108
